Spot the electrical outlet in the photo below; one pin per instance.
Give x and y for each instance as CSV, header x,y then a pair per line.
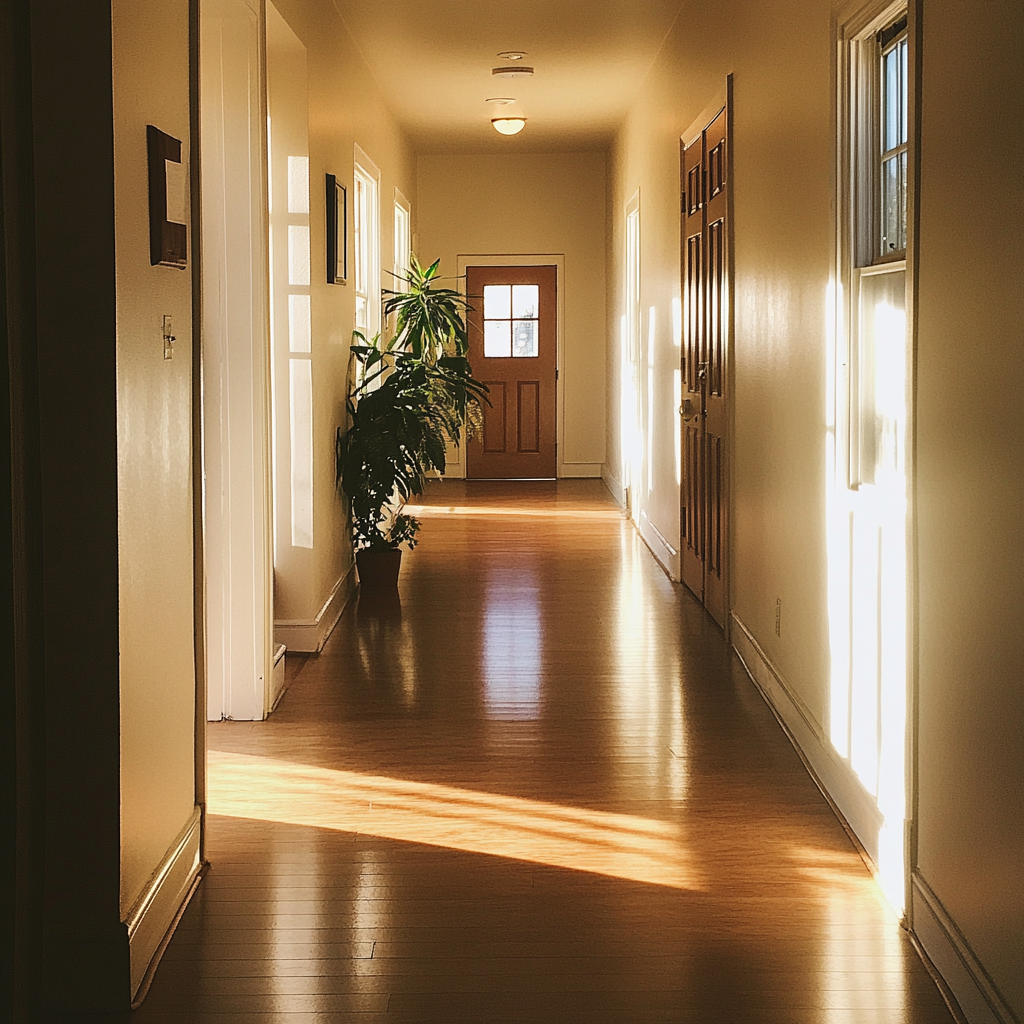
x,y
778,616
169,339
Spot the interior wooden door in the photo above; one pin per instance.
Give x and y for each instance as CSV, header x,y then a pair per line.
x,y
512,340
694,369
706,329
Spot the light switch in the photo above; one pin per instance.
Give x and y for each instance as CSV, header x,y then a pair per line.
x,y
168,337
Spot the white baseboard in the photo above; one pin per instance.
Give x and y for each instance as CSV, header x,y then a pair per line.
x,y
307,636
455,471
833,775
566,471
980,1002
618,492
156,910
666,555
277,675
579,470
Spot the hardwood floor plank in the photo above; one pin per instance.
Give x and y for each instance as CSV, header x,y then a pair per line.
x,y
539,789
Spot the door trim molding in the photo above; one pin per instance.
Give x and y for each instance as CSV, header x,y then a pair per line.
x,y
707,116
457,470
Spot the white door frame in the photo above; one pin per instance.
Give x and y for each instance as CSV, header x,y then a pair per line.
x,y
236,495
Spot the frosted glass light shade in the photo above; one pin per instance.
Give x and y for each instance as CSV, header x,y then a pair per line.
x,y
509,125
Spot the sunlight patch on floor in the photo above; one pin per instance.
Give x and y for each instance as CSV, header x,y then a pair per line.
x,y
617,845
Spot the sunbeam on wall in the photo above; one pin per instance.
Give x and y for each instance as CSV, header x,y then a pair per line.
x,y
867,554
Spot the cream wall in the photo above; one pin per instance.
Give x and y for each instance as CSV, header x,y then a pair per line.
x,y
970,484
782,229
534,203
154,416
970,432
345,109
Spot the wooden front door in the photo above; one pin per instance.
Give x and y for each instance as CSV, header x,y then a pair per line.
x,y
706,325
512,349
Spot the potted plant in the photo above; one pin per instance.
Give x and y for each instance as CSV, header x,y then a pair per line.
x,y
410,394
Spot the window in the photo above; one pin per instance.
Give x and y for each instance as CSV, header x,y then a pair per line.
x,y
872,372
366,217
877,124
874,276
893,54
403,241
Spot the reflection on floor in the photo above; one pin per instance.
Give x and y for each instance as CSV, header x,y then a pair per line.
x,y
536,789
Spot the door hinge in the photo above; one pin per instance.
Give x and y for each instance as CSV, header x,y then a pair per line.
x,y
556,374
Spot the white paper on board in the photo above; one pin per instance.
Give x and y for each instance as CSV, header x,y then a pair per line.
x,y
175,173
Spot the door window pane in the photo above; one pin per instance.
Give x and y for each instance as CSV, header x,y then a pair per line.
x,y
497,301
497,337
524,338
525,300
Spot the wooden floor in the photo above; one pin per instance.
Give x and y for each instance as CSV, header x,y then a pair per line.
x,y
539,790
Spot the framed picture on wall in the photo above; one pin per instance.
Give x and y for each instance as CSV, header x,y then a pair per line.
x,y
337,231
168,198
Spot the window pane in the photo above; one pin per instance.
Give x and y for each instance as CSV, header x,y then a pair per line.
x,y
891,136
525,299
902,225
497,336
524,338
890,206
359,218
879,404
904,49
300,329
497,302
894,204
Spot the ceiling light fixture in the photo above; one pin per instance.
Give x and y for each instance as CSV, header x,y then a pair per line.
x,y
508,120
508,125
512,55
513,71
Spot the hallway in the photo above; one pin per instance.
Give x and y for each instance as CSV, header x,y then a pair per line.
x,y
541,790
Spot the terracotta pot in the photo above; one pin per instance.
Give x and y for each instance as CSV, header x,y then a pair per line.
x,y
378,570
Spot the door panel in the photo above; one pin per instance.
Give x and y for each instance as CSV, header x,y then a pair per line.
x,y
529,417
512,338
706,322
494,419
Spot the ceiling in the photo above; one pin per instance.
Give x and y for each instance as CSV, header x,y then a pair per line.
x,y
433,63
